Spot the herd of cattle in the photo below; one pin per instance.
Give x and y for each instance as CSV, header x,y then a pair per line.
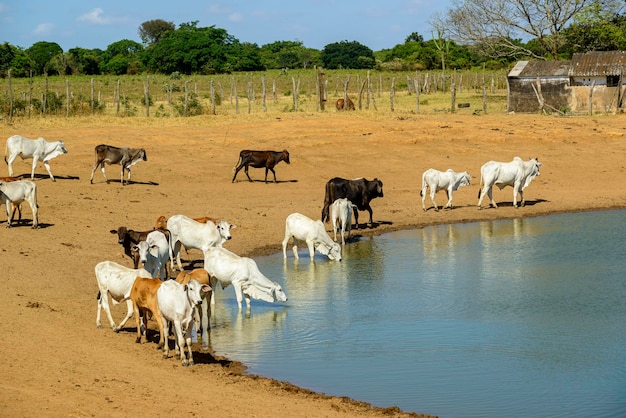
x,y
145,287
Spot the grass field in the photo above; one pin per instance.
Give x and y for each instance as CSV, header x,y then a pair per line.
x,y
242,93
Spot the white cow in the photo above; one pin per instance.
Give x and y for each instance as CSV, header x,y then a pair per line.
x,y
14,193
341,213
448,180
202,315
177,303
193,234
154,253
517,173
117,281
243,273
37,149
303,228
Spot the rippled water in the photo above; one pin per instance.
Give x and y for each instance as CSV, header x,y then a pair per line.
x,y
519,317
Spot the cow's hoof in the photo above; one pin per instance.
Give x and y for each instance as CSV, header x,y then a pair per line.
x,y
116,330
99,326
138,340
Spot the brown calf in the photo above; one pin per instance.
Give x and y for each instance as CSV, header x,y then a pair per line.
x,y
341,105
144,297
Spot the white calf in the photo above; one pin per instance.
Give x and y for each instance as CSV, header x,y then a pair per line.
x,y
193,234
302,228
154,253
202,315
177,303
341,213
447,180
243,273
16,192
117,281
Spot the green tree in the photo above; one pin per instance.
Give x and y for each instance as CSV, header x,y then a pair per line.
x,y
189,50
151,31
598,28
41,53
244,57
120,56
344,54
87,60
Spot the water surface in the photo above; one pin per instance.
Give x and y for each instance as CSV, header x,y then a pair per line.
x,y
521,317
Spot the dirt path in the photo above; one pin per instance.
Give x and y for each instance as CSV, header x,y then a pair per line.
x,y
54,360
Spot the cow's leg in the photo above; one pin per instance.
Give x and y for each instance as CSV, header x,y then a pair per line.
x,y
490,194
9,211
93,170
266,170
449,204
166,329
274,173
369,209
285,242
47,165
432,197
98,323
129,314
159,320
246,170
237,169
238,294
188,344
10,163
295,248
104,174
32,172
343,231
177,252
104,301
34,209
311,247
355,211
423,195
137,322
205,316
334,226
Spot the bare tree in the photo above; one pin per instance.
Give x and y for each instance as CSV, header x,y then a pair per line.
x,y
495,27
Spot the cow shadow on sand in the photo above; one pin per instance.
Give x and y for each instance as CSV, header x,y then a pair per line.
x,y
269,181
510,204
26,176
145,183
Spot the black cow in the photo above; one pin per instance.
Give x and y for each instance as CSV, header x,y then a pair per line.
x,y
125,157
259,159
359,191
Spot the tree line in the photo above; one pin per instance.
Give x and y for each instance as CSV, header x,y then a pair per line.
x,y
471,34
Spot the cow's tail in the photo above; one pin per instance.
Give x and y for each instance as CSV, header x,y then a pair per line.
x,y
238,162
6,149
480,184
423,185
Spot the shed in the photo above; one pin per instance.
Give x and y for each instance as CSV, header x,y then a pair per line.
x,y
597,78
529,81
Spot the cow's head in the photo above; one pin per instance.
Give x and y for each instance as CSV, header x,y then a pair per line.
x,y
196,292
61,147
465,179
224,228
143,248
378,188
278,293
143,154
285,156
333,251
121,233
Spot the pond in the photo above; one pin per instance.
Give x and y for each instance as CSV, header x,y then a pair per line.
x,y
523,317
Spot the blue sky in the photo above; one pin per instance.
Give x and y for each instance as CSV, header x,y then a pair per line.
x,y
316,23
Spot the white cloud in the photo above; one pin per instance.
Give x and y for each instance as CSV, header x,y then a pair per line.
x,y
43,29
97,17
235,17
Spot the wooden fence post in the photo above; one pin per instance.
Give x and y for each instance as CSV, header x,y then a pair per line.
x,y
392,92
10,95
263,92
146,92
212,92
67,98
92,96
453,94
593,84
186,98
416,86
345,93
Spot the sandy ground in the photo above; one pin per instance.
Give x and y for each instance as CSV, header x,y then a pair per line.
x,y
54,360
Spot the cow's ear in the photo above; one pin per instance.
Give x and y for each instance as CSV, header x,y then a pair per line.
x,y
233,226
113,231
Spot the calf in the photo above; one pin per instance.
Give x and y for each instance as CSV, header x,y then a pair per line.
x,y
125,157
260,159
129,238
177,303
303,228
143,296
201,318
344,105
12,194
243,273
37,149
193,234
154,253
116,281
437,180
341,213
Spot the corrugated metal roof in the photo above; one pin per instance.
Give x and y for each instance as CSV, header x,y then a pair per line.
x,y
598,63
541,69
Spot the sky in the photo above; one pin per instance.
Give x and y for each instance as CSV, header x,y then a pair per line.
x,y
316,23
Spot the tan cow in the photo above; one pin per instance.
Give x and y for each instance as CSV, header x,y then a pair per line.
x,y
144,298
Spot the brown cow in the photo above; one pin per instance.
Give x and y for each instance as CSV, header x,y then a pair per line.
x,y
125,157
143,295
259,159
341,105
